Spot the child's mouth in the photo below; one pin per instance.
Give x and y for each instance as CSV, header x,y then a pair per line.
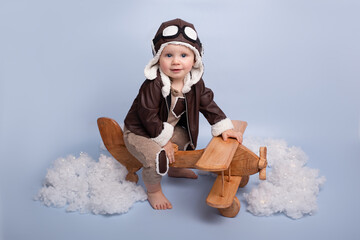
x,y
176,70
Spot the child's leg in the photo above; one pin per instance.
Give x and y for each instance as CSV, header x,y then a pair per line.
x,y
181,138
146,151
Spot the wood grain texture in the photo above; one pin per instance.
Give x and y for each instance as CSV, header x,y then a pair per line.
x,y
186,159
219,153
215,199
244,162
262,163
244,181
112,136
231,211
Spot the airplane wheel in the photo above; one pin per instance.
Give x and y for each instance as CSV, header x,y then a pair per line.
x,y
231,211
244,181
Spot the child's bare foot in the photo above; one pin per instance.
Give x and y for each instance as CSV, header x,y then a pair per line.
x,y
181,173
156,197
158,200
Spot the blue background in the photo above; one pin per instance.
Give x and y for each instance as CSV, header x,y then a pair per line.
x,y
291,68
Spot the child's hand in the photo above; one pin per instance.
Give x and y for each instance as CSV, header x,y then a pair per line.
x,y
169,150
232,134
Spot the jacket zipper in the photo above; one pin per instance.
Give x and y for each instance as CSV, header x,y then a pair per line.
x,y
187,122
167,105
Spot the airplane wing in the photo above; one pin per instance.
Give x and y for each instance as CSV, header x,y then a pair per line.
x,y
219,154
223,192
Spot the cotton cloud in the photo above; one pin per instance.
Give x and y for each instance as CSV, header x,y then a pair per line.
x,y
291,187
88,186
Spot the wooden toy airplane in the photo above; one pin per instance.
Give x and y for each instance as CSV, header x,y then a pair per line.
x,y
233,163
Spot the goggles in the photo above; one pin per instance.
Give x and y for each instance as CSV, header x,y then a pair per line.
x,y
174,31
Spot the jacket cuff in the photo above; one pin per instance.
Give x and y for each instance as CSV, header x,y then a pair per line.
x,y
221,126
165,135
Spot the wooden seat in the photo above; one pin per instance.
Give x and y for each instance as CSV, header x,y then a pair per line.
x,y
112,136
218,153
223,198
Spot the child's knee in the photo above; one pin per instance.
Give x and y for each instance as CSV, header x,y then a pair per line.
x,y
156,168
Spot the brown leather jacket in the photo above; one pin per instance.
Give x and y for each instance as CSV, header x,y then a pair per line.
x,y
149,112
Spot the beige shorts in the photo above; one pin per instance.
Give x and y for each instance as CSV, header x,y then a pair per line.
x,y
146,151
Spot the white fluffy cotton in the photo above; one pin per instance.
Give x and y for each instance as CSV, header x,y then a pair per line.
x,y
291,187
88,186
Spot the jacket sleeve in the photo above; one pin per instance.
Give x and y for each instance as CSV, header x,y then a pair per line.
x,y
148,112
214,115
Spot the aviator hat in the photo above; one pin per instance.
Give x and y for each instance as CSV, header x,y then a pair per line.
x,y
179,32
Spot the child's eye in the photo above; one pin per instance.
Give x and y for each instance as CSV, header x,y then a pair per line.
x,y
169,55
183,55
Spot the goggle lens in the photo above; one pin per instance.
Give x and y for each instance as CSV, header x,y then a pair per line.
x,y
170,31
190,33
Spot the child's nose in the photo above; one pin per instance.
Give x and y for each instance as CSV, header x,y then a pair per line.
x,y
175,60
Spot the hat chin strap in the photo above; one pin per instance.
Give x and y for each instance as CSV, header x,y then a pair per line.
x,y
192,78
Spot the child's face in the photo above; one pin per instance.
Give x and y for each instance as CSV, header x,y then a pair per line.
x,y
176,61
